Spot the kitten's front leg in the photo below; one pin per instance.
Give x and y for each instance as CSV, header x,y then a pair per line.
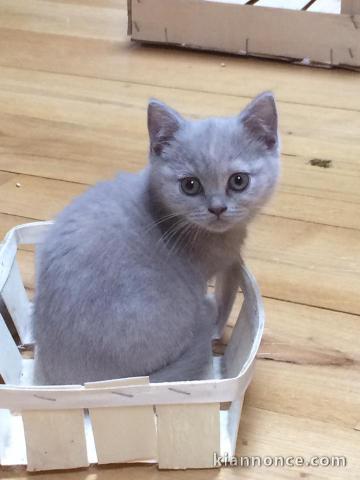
x,y
226,287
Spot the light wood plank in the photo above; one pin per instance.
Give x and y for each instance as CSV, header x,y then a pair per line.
x,y
124,434
61,18
293,260
316,203
306,352
311,193
311,354
262,433
174,68
95,3
54,439
188,435
68,153
304,335
84,107
334,391
45,196
312,336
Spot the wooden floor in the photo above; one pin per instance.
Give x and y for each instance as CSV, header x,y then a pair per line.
x,y
73,97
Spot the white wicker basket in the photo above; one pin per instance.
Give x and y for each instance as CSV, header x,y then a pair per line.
x,y
319,32
177,424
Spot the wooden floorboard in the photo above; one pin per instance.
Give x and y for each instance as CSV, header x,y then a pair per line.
x,y
73,98
146,65
83,130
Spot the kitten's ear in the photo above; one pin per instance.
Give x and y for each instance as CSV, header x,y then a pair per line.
x,y
163,123
261,121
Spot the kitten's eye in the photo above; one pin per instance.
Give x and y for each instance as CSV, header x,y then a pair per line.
x,y
238,181
191,186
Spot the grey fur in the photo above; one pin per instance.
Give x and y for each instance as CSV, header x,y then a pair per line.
x,y
122,276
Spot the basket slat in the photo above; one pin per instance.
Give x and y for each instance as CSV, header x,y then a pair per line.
x,y
12,441
8,250
10,358
123,434
229,427
238,348
245,336
188,435
55,439
17,302
4,418
245,29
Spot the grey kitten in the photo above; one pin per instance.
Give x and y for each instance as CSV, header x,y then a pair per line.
x,y
122,276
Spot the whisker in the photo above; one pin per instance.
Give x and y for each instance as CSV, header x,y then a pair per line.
x,y
182,236
189,238
169,234
161,220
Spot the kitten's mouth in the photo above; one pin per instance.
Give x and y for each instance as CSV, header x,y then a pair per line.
x,y
218,225
213,224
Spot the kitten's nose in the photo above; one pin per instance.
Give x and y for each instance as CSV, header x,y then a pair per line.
x,y
217,210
